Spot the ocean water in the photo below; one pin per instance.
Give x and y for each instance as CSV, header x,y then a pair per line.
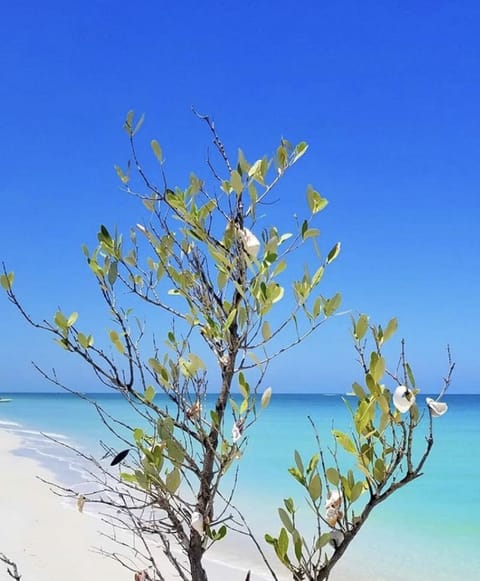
x,y
430,530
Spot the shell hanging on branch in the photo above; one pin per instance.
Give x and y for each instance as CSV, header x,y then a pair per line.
x,y
403,398
437,408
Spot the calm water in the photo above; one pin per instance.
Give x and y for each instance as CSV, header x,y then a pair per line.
x,y
428,531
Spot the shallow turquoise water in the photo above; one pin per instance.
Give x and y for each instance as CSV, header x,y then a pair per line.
x,y
428,531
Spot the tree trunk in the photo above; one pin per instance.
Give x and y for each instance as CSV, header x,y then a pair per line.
x,y
195,554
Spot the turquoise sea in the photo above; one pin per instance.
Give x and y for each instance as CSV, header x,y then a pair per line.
x,y
430,530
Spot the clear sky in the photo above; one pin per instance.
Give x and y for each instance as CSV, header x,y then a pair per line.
x,y
386,94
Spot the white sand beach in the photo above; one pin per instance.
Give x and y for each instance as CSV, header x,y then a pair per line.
x,y
49,539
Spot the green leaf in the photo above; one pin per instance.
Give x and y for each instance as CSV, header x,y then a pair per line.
x,y
142,479
222,531
289,505
165,428
334,252
331,305
379,369
282,157
104,235
242,162
128,125
299,462
379,470
176,453
384,422
158,368
299,477
138,435
315,488
414,414
411,377
298,547
344,441
60,320
323,540
230,319
280,267
214,417
128,477
222,278
149,393
72,319
172,482
234,405
391,328
286,520
115,339
157,150
360,327
310,233
372,385
315,201
266,331
6,280
243,385
236,182
124,178
139,124
356,491
195,363
282,546
383,403
317,277
358,391
300,149
317,307
113,273
332,476
313,463
243,406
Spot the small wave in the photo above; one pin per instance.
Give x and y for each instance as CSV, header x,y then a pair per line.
x,y
55,435
19,430
5,423
66,468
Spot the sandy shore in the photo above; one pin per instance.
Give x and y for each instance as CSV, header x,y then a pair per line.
x,y
49,539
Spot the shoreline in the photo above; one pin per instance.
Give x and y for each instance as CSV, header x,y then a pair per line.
x,y
417,523
45,538
50,540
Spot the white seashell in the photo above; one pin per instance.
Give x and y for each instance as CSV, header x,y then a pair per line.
x,y
334,499
80,502
236,435
403,398
251,242
333,515
336,538
197,522
437,408
237,429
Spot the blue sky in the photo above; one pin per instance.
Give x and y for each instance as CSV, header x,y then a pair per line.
x,y
386,94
